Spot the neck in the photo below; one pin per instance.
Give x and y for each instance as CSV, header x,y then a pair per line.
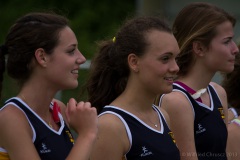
x,y
37,99
46,116
198,77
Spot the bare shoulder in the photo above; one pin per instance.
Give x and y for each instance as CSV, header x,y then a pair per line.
x,y
115,125
222,95
176,102
112,140
12,121
178,108
111,126
220,90
11,114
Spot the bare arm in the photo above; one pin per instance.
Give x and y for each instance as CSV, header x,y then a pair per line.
x,y
233,143
16,134
182,123
112,142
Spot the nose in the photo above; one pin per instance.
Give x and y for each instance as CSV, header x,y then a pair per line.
x,y
174,67
80,58
235,49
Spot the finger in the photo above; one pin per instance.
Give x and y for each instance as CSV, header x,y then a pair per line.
x,y
71,105
88,104
72,102
80,104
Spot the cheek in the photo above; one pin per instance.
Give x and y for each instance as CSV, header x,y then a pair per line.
x,y
154,70
220,62
59,71
216,55
153,76
221,51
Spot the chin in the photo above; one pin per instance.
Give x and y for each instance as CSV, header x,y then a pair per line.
x,y
228,70
167,90
72,86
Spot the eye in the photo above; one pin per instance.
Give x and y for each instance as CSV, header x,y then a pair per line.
x,y
71,52
165,58
227,41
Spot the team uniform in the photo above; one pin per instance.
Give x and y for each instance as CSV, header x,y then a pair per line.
x,y
50,144
210,131
145,142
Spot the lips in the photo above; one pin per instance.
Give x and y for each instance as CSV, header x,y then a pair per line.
x,y
232,61
172,78
75,71
169,79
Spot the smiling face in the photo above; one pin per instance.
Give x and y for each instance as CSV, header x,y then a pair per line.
x,y
157,67
63,64
222,50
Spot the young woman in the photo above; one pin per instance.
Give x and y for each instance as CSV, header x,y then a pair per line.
x,y
124,80
43,57
198,107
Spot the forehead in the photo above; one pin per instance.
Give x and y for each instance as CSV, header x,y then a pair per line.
x,y
161,42
67,36
225,29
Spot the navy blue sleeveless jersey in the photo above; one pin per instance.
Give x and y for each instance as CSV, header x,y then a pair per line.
x,y
50,144
210,131
146,143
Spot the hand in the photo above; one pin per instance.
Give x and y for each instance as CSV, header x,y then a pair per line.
x,y
82,117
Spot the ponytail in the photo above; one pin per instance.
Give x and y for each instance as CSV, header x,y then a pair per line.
x,y
106,80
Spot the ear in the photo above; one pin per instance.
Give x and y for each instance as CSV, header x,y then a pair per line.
x,y
41,57
198,48
133,62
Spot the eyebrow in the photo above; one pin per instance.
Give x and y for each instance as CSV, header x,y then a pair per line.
x,y
167,53
72,45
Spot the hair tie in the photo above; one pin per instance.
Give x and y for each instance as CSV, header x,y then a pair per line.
x,y
114,39
4,49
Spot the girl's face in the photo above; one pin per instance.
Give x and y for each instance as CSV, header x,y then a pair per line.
x,y
222,50
157,67
63,66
